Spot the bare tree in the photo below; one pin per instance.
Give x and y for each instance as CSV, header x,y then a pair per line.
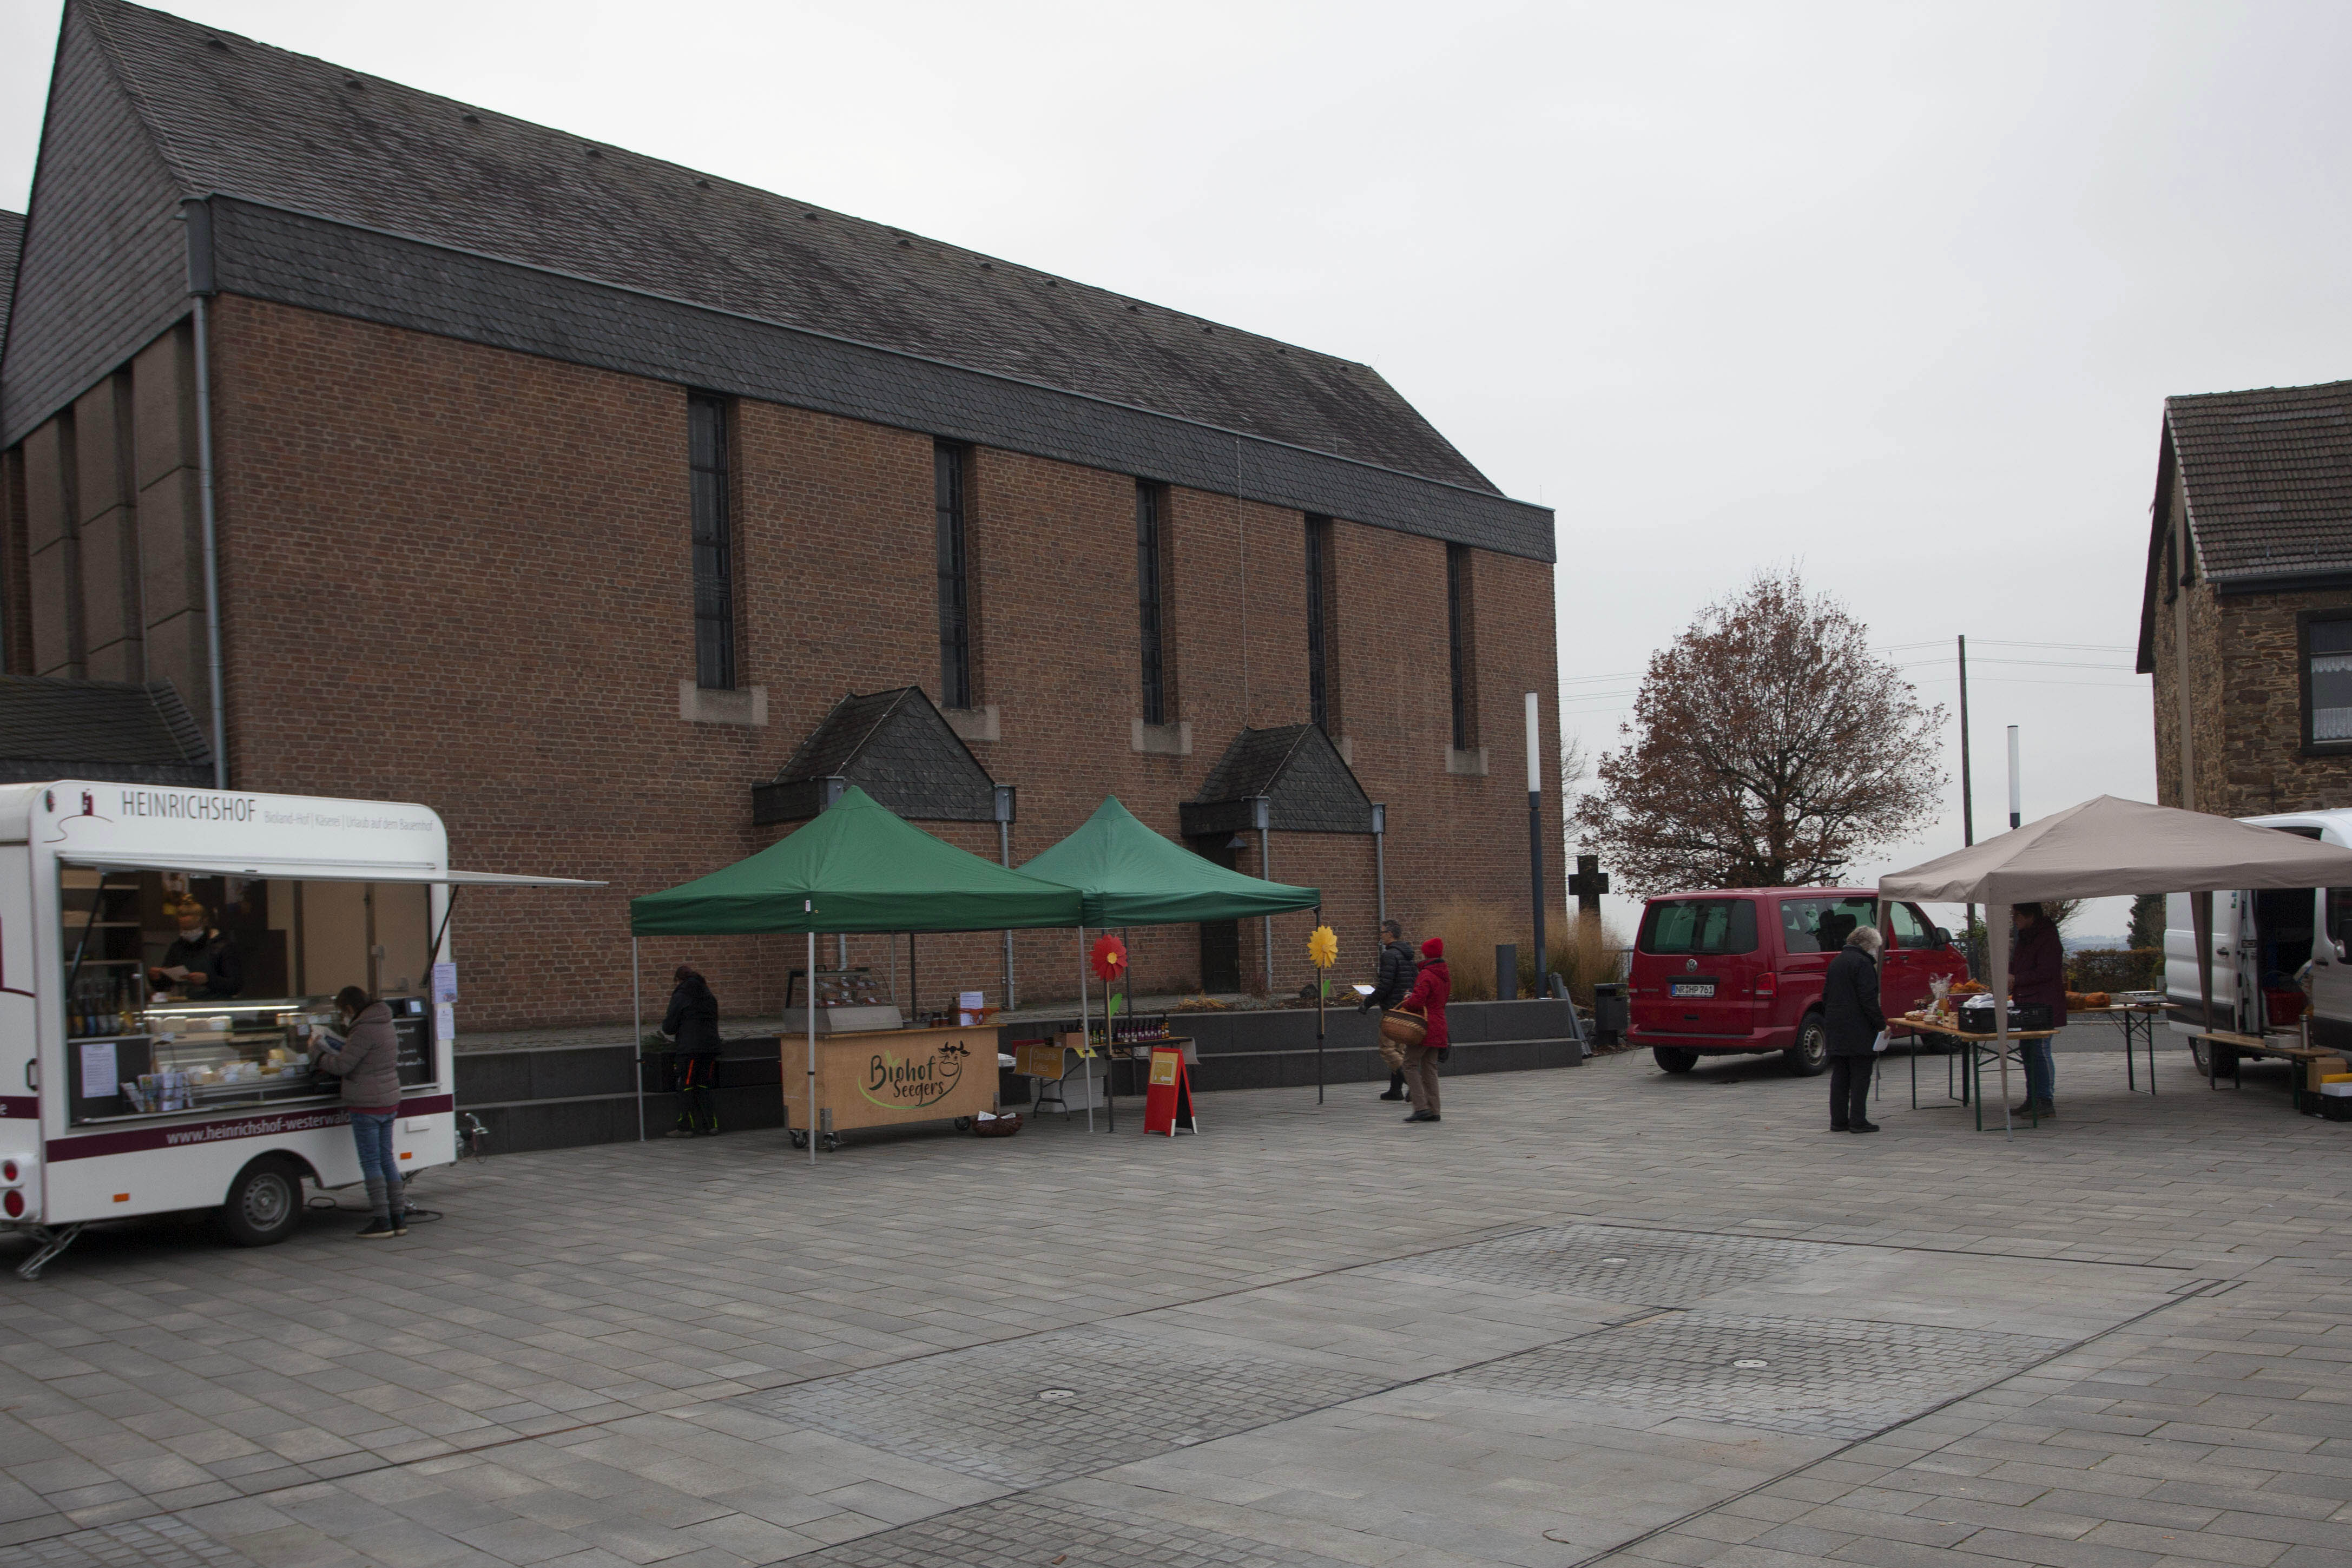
x,y
1768,748
1575,769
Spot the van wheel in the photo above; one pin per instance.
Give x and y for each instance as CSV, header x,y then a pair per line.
x,y
265,1203
1673,1058
1810,1056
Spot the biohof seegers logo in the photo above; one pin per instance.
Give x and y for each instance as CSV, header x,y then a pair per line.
x,y
905,1083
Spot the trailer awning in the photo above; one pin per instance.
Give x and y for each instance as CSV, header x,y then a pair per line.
x,y
261,868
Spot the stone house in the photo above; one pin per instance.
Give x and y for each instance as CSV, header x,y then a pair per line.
x,y
2246,606
430,455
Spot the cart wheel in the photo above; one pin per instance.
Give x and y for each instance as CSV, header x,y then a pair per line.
x,y
265,1203
800,1139
830,1142
2196,1055
963,1124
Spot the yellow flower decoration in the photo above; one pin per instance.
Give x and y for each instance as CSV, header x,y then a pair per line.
x,y
1323,947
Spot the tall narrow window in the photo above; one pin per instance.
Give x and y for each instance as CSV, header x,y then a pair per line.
x,y
955,580
1461,642
714,552
1151,598
1322,693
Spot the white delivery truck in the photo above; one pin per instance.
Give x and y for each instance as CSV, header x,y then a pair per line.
x,y
2262,940
131,1083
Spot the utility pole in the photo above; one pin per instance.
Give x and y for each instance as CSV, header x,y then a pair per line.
x,y
1968,792
2016,791
1535,832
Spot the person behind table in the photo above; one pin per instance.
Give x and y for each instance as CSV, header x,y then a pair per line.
x,y
367,1059
2037,973
208,953
1852,1021
1389,988
692,1023
1431,988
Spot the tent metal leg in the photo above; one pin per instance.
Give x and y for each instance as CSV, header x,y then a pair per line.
x,y
638,1039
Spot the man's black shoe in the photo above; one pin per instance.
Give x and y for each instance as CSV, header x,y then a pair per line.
x,y
1394,1094
1839,1127
1864,1127
1423,1116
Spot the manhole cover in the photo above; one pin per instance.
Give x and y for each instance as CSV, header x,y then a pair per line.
x,y
1072,1393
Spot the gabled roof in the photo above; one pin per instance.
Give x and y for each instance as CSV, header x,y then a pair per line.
x,y
11,235
289,133
2267,479
1133,877
897,747
52,727
1310,783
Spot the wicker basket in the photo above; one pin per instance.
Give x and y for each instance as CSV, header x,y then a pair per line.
x,y
1405,1028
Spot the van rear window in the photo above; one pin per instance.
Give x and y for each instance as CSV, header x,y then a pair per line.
x,y
1699,925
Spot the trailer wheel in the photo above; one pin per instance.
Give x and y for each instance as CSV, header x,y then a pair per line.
x,y
265,1203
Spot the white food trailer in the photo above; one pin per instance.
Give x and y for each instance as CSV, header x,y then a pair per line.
x,y
120,1096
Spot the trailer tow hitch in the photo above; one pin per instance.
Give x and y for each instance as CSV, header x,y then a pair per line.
x,y
52,1243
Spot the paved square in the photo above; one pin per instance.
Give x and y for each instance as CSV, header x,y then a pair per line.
x,y
1307,1337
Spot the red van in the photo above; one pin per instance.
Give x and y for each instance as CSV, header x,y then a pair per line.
x,y
1739,969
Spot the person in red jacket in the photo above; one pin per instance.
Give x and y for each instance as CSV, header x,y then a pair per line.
x,y
2037,973
1431,988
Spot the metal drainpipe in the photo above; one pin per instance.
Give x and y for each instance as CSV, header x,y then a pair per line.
x,y
198,217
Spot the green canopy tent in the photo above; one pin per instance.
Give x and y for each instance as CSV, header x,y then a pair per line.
x,y
858,868
1132,875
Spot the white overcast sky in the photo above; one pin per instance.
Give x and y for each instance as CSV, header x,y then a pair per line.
x,y
1894,291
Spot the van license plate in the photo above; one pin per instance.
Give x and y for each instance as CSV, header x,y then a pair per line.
x,y
1691,988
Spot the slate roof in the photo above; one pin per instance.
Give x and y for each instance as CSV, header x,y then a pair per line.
x,y
1311,786
11,235
896,747
417,210
117,730
2267,479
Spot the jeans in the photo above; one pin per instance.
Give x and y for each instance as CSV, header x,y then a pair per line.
x,y
371,1132
2040,1070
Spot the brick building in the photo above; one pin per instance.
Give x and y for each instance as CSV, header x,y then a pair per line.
x,y
569,493
2250,576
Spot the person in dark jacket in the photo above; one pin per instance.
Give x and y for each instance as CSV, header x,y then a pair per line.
x,y
1852,1020
206,957
2037,973
692,1025
1390,986
367,1059
1431,988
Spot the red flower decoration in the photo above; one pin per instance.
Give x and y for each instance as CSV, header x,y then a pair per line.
x,y
1108,957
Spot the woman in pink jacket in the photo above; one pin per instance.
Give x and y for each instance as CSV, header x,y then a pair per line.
x,y
1431,988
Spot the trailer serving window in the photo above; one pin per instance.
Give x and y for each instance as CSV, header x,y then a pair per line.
x,y
192,991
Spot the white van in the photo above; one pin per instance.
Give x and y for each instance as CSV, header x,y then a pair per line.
x,y
2261,939
127,1090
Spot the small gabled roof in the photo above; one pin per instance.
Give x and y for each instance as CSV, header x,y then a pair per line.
x,y
116,731
897,747
1310,783
2266,477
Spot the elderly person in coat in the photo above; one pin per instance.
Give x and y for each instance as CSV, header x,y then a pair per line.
x,y
1853,1019
367,1059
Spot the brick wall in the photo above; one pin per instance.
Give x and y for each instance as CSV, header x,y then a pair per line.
x,y
2245,697
460,577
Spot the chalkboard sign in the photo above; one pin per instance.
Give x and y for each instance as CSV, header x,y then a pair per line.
x,y
412,1026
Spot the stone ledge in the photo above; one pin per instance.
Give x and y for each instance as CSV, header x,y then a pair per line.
x,y
1469,764
706,705
1161,740
972,724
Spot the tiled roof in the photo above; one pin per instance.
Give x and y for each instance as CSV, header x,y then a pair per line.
x,y
52,727
11,235
1311,787
896,747
237,117
2268,478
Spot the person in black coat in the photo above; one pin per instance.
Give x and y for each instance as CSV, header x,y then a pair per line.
x,y
1853,1019
692,1025
1390,986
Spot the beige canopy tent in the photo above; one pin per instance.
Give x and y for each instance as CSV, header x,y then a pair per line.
x,y
2108,848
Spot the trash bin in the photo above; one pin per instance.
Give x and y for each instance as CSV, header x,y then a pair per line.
x,y
1610,1016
